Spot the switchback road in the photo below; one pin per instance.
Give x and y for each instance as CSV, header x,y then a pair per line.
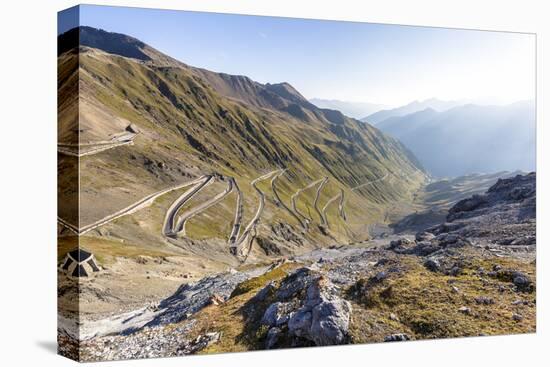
x,y
316,201
170,218
247,237
276,193
140,204
182,220
305,219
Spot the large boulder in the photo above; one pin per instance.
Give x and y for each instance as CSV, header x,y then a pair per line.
x,y
451,240
330,322
330,314
432,265
311,308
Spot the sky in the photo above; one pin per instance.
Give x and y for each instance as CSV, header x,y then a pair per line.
x,y
349,61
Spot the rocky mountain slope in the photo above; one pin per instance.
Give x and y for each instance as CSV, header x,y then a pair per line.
x,y
191,122
439,196
469,138
464,277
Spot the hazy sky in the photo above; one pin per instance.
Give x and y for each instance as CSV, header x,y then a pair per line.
x,y
387,64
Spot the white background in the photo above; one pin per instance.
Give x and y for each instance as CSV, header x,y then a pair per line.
x,y
28,180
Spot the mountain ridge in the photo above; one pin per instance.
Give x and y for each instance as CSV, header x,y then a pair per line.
x,y
414,106
462,134
193,122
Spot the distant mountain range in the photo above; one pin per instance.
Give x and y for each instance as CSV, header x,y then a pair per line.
x,y
415,106
469,138
352,109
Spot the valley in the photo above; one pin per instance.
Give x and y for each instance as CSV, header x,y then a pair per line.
x,y
227,215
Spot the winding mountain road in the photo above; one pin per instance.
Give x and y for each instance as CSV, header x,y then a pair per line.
x,y
170,218
316,201
276,193
240,245
370,182
132,208
237,247
330,201
182,220
295,196
238,217
341,210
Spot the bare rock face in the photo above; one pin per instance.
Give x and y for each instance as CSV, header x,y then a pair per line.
x,y
427,243
310,309
300,323
276,314
503,216
515,189
191,297
520,189
330,322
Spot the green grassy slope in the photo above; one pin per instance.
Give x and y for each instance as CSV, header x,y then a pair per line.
x,y
194,121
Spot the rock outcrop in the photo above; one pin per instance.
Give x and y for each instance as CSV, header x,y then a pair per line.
x,y
308,310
